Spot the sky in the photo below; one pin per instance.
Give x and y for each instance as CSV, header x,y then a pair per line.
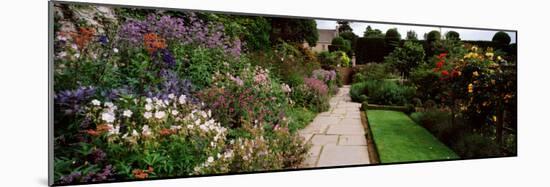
x,y
465,34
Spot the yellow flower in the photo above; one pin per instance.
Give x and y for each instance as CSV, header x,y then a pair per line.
x,y
499,58
474,48
475,74
495,118
470,88
490,55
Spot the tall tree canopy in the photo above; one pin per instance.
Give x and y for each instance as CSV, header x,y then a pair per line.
x,y
294,30
373,33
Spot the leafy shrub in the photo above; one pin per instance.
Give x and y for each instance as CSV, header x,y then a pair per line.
x,y
382,92
336,58
370,50
341,44
312,95
405,58
370,72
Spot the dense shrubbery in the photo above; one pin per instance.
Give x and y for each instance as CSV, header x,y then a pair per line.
x,y
384,92
371,72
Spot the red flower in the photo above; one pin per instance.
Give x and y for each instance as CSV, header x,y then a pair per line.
x,y
445,73
436,69
440,64
454,73
442,55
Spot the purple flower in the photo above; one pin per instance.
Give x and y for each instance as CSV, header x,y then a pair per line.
x,y
103,40
71,101
316,85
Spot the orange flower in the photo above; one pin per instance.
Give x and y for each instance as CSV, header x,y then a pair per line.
x,y
102,128
92,132
153,42
165,132
83,37
139,174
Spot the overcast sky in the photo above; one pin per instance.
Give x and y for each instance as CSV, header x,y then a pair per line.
x,y
465,34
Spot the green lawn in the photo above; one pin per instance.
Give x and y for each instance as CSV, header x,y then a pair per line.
x,y
399,139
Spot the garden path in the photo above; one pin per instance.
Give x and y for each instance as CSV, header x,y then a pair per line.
x,y
337,136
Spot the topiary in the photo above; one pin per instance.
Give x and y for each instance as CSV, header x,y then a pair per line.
x,y
501,38
433,36
392,38
452,35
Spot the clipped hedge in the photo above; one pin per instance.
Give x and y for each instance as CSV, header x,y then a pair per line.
x,y
370,50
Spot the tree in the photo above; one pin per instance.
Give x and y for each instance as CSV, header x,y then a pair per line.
x,y
294,30
392,38
350,36
411,35
433,36
341,44
452,35
370,33
501,38
343,26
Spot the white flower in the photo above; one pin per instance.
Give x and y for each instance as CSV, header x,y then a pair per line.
x,y
181,99
171,96
146,131
148,107
77,55
203,127
96,102
175,112
115,50
108,117
74,46
210,159
127,113
175,127
209,113
148,100
147,115
62,54
134,133
114,130
109,104
160,114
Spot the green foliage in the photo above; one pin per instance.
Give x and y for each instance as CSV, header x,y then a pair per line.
x,y
373,33
341,44
343,26
370,49
433,36
405,58
411,35
203,63
294,30
299,117
370,72
303,96
383,92
452,35
501,38
392,38
336,58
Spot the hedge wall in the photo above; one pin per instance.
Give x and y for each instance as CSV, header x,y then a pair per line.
x,y
375,49
370,50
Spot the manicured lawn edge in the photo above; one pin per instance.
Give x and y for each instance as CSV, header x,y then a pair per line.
x,y
405,141
371,146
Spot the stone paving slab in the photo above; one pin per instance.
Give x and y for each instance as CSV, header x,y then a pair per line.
x,y
352,140
337,136
334,155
